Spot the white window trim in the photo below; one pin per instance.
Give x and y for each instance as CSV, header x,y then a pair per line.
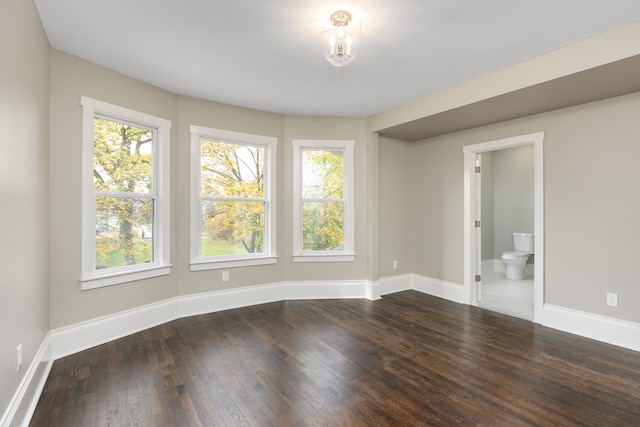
x,y
347,254
269,256
90,278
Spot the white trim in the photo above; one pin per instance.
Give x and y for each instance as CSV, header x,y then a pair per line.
x,y
81,336
268,144
492,265
470,214
601,328
322,257
123,276
25,399
439,288
230,263
427,285
393,284
90,278
74,338
347,253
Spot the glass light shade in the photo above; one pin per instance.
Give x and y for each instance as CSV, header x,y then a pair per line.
x,y
340,38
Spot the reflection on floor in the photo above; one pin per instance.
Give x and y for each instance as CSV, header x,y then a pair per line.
x,y
513,297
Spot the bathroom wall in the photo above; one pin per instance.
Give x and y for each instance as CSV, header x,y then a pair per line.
x,y
487,239
513,196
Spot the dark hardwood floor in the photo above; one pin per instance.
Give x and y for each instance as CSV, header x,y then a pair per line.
x,y
408,359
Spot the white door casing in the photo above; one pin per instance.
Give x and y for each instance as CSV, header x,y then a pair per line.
x,y
472,213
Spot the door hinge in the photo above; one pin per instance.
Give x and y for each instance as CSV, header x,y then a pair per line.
x,y
477,277
477,169
477,224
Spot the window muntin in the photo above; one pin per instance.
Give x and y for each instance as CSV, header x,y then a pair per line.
x,y
232,218
323,200
123,190
125,220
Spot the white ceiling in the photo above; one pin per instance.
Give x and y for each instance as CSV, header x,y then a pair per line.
x,y
266,54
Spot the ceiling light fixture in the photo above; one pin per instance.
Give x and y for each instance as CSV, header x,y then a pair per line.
x,y
340,40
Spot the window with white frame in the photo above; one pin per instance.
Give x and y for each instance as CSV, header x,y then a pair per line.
x,y
323,200
232,199
125,195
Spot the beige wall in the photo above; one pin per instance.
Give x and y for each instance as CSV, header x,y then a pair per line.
x,y
326,128
220,116
591,157
437,209
72,78
24,192
395,228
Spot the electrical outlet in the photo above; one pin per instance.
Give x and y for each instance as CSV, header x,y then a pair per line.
x,y
395,264
19,358
225,276
612,299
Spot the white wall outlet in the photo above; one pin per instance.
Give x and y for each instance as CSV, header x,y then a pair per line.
x,y
18,358
225,276
612,299
395,264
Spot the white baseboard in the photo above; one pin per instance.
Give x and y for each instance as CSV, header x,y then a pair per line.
x,y
439,288
427,285
74,338
499,265
25,399
492,265
393,284
601,328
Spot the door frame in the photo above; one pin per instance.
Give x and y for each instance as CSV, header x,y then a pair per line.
x,y
471,214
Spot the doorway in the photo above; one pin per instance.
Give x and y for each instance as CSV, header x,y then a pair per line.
x,y
490,284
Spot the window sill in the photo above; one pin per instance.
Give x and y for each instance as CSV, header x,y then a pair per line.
x,y
321,257
230,263
116,278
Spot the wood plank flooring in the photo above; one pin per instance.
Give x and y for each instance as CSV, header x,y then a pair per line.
x,y
408,359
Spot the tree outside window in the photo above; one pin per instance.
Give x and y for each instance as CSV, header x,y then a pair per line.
x,y
125,195
323,200
122,182
233,178
232,198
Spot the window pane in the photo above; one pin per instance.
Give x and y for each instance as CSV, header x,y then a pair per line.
x,y
322,226
232,227
122,157
322,173
231,170
124,232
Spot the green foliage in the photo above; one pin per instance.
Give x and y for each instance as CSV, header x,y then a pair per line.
x,y
231,175
122,163
323,208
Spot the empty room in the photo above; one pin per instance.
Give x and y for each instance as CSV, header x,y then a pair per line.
x,y
319,213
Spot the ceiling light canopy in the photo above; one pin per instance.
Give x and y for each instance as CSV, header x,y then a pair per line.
x,y
341,38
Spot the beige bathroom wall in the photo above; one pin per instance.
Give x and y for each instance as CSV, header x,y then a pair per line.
x,y
487,240
72,78
395,186
591,168
24,191
513,196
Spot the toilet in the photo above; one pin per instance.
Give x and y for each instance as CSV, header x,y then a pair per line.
x,y
517,260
